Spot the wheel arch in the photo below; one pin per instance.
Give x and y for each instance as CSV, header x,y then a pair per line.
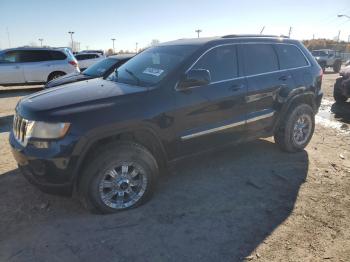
x,y
146,137
296,97
54,72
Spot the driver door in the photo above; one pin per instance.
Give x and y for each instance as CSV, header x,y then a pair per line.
x,y
212,115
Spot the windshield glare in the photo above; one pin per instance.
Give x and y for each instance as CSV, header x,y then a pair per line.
x,y
151,66
99,69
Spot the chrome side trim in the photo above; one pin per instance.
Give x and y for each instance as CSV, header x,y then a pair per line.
x,y
247,43
221,128
213,130
248,76
257,118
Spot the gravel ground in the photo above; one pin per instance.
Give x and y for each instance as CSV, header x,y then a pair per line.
x,y
250,202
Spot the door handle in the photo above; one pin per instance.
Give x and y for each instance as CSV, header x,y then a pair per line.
x,y
236,87
17,67
285,77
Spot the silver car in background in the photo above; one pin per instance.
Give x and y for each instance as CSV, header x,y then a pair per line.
x,y
35,65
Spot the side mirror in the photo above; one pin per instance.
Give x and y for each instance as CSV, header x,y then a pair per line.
x,y
195,77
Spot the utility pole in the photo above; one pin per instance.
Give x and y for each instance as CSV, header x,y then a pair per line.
x,y
136,47
290,31
339,36
262,30
113,39
8,36
71,37
313,37
198,31
41,41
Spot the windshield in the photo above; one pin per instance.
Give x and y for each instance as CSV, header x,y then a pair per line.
x,y
152,65
319,53
99,69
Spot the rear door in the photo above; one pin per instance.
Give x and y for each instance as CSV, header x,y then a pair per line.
x,y
265,81
36,65
11,70
212,115
292,59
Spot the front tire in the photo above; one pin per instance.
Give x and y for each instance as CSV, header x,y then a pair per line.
x,y
296,130
338,97
119,176
336,67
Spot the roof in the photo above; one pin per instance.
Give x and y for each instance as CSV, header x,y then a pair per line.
x,y
122,56
204,40
34,48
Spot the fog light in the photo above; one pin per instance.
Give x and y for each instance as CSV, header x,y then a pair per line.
x,y
40,144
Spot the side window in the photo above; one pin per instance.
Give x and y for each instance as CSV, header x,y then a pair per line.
x,y
290,56
35,56
259,58
57,55
80,57
221,62
10,57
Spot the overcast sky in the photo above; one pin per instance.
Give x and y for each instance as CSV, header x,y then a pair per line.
x,y
96,22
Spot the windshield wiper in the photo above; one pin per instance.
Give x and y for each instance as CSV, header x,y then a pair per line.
x,y
133,75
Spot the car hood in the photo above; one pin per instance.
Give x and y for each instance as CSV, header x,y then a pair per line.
x,y
75,97
69,78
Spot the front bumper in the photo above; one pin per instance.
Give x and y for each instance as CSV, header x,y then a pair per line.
x,y
51,170
343,86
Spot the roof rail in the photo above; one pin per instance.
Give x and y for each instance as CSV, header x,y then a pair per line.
x,y
234,36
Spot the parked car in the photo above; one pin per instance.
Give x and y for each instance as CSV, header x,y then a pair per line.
x,y
35,65
91,51
100,69
328,58
108,139
341,91
88,59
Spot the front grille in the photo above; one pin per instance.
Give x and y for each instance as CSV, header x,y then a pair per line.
x,y
20,126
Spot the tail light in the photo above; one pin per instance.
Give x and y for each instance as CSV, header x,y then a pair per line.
x,y
73,63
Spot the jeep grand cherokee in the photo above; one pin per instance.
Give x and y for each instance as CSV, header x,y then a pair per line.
x,y
107,139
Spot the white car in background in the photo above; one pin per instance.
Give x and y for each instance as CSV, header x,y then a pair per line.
x,y
35,65
88,59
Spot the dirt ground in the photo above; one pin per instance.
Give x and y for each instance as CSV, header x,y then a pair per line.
x,y
249,202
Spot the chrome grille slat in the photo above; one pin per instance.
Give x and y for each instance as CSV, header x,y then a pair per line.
x,y
20,128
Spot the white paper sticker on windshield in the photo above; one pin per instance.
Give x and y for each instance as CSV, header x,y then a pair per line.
x,y
153,71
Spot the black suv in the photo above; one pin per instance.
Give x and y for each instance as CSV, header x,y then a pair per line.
x,y
108,139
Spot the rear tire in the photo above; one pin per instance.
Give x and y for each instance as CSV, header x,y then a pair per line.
x,y
296,130
119,176
55,75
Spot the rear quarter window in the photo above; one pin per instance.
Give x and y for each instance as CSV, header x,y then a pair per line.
x,y
290,56
57,55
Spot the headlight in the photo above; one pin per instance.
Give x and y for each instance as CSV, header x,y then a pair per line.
x,y
43,130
